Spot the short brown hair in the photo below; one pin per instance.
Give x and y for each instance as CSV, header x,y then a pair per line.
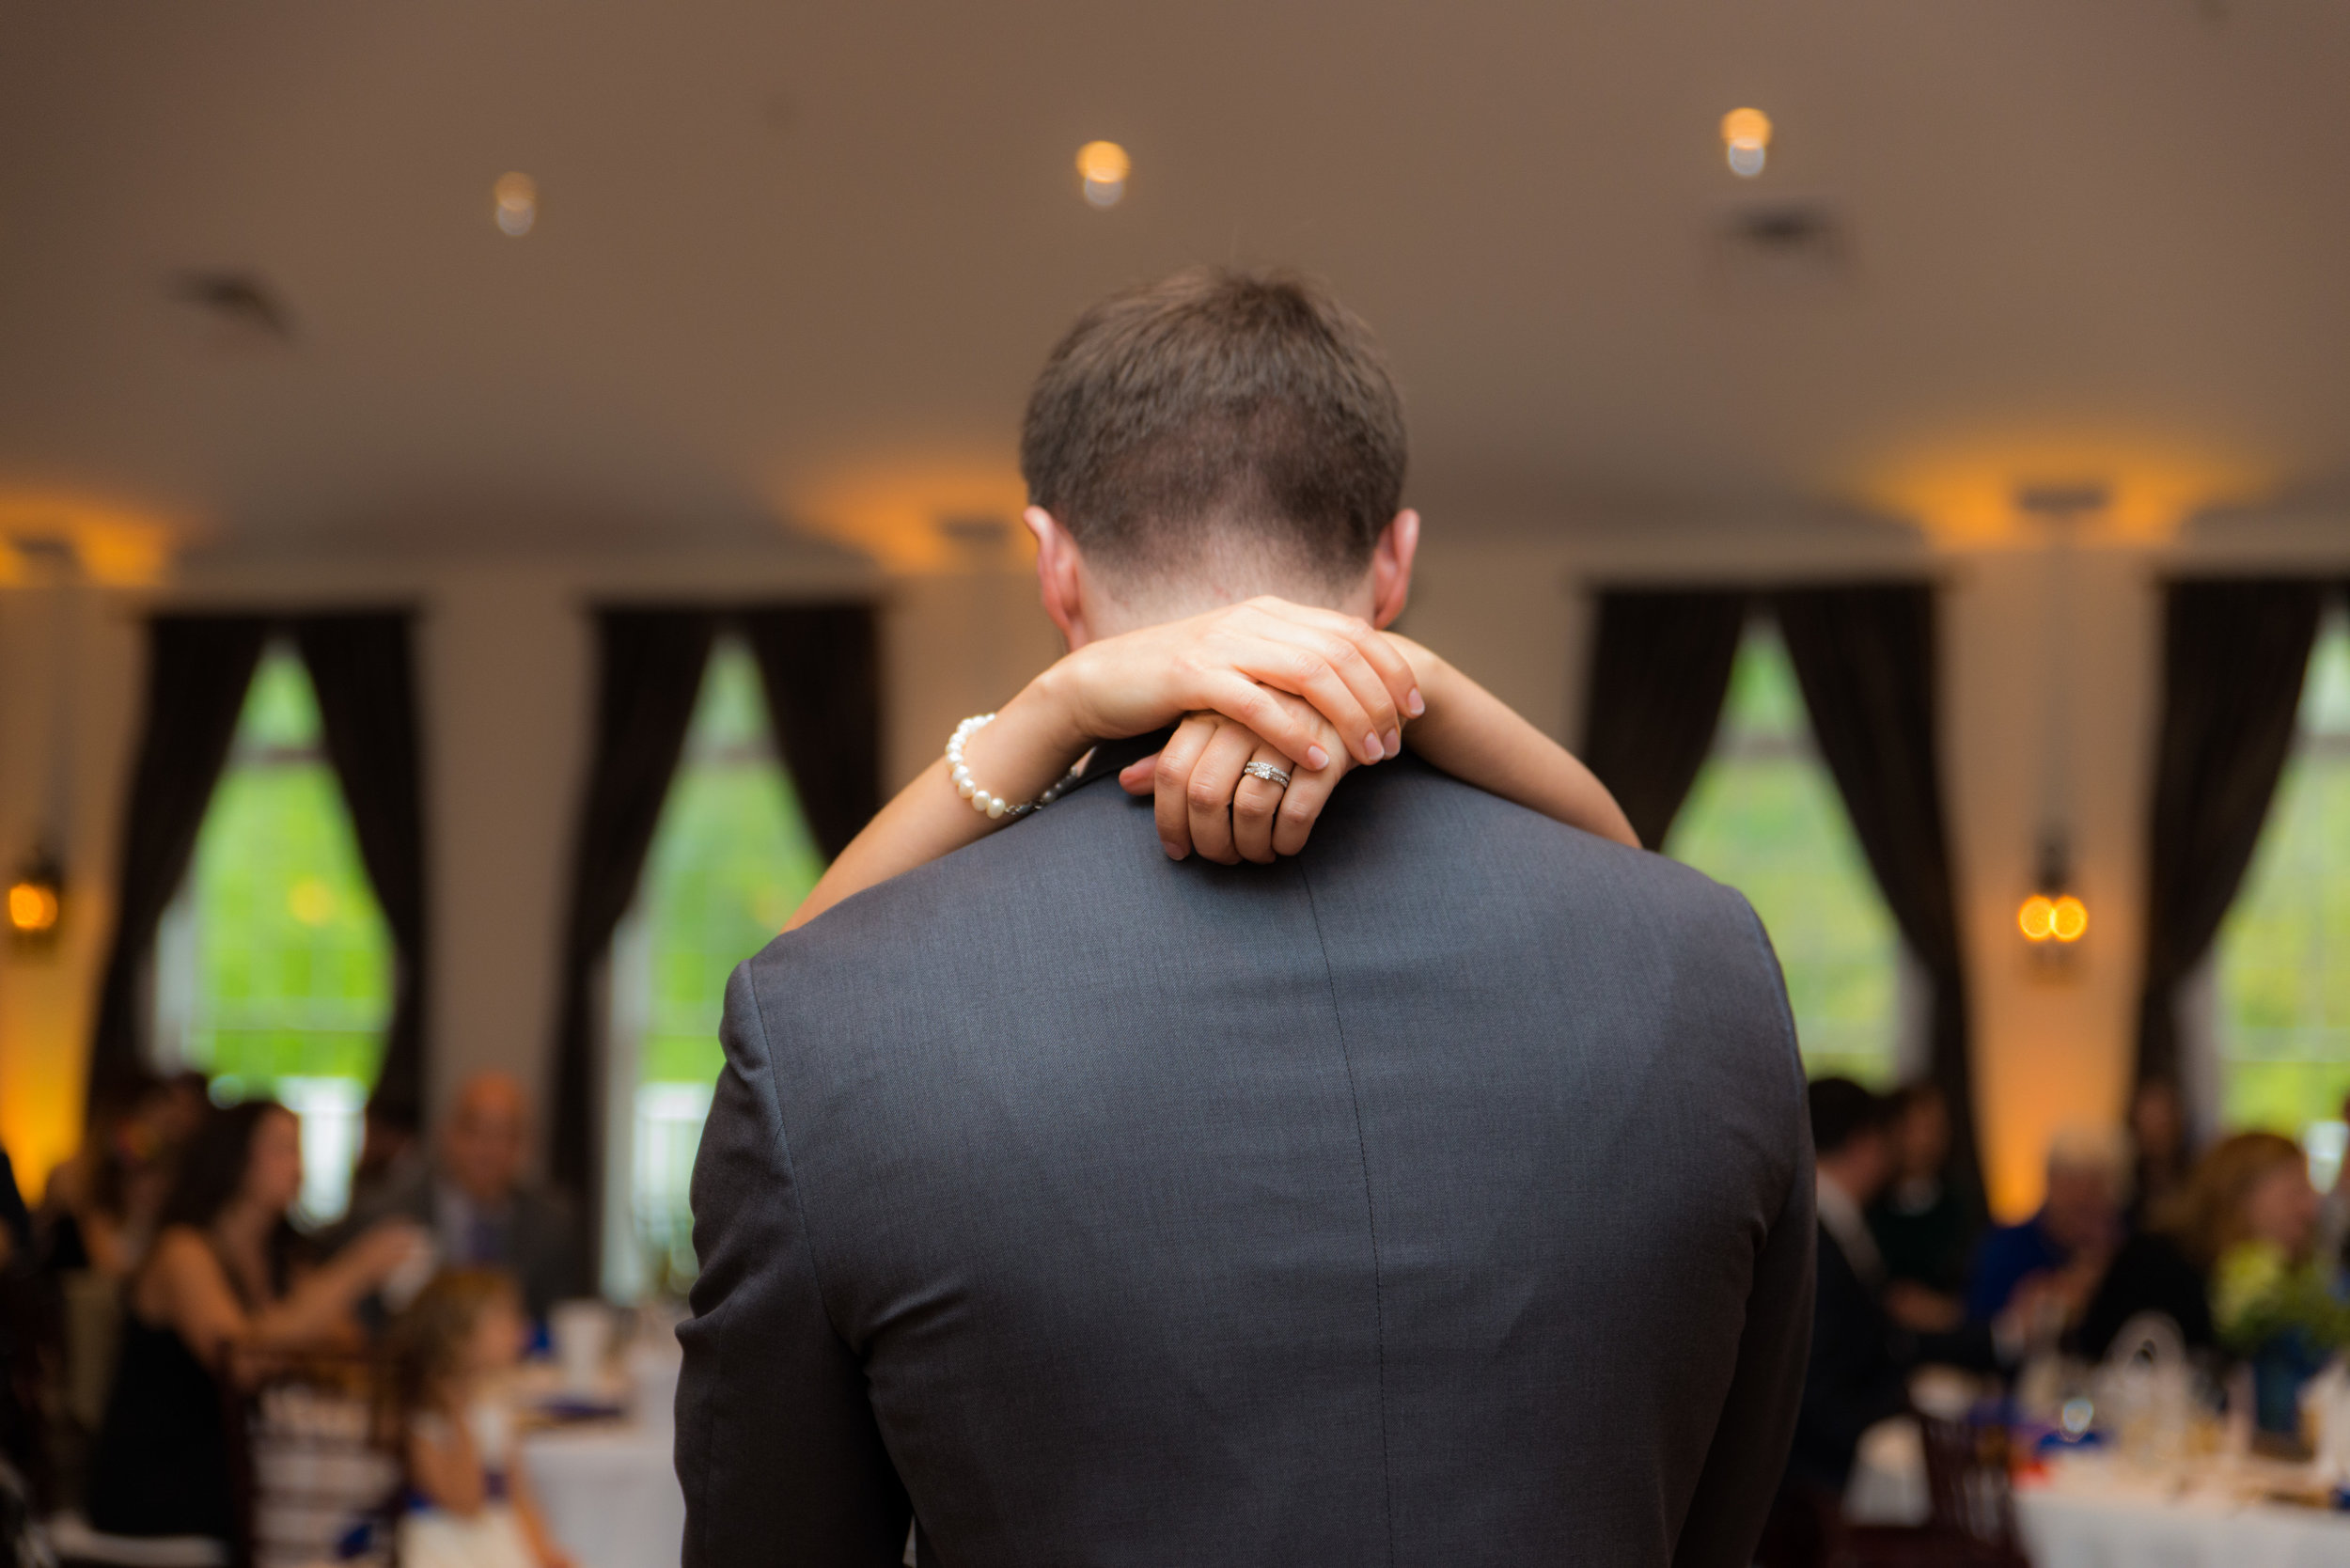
x,y
1216,398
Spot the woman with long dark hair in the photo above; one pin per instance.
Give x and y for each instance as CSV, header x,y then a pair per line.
x,y
226,1272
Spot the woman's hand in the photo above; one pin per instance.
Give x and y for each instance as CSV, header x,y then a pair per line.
x,y
1237,660
1204,802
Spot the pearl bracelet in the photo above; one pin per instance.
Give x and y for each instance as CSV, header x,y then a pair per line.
x,y
981,802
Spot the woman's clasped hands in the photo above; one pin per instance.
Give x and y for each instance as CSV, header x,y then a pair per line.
x,y
1262,687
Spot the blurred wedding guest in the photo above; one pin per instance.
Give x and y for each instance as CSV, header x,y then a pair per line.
x,y
100,1210
226,1270
2067,1245
476,1204
2158,1136
1861,1359
2246,1229
1924,1227
472,1505
391,1153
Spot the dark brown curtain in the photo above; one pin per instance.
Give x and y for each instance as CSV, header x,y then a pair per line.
x,y
821,665
1660,664
197,670
362,668
2233,653
1865,657
649,673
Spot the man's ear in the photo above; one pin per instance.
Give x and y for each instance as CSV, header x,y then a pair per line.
x,y
1391,567
1059,582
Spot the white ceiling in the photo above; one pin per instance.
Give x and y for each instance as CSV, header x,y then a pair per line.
x,y
783,242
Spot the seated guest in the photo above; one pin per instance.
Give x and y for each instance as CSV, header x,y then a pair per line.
x,y
478,1207
1923,1227
2066,1245
2247,1230
100,1209
225,1273
2159,1136
1860,1363
2165,1267
470,1504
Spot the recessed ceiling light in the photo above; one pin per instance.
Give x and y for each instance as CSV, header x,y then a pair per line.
x,y
1102,166
517,203
1746,139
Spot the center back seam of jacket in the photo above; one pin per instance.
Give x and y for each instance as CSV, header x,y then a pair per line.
x,y
1370,1209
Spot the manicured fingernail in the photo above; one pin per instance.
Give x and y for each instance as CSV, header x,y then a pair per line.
x,y
1174,851
1317,758
1372,746
1395,742
1413,703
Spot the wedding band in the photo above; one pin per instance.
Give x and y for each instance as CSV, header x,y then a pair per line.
x,y
1267,772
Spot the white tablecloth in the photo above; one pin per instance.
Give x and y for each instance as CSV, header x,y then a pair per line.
x,y
2090,1515
610,1493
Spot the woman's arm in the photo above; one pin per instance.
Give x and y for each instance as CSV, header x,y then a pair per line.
x,y
1301,678
187,1287
442,1466
1480,740
543,1545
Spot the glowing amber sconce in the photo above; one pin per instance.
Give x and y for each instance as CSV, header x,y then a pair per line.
x,y
35,904
2063,919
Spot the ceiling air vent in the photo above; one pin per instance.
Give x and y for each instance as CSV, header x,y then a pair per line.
x,y
1781,249
238,309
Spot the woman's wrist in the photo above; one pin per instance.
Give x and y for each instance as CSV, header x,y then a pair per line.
x,y
1030,744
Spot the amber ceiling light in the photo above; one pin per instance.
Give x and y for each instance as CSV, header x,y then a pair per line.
x,y
1747,141
1102,170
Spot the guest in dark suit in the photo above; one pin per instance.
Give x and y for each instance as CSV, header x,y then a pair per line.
x,y
1924,1225
475,1200
1860,1358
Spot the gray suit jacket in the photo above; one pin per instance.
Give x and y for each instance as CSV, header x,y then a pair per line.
x,y
1442,1196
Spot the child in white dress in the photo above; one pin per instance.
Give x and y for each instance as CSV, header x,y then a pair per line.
x,y
469,1504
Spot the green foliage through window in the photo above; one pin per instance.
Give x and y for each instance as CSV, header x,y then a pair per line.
x,y
732,859
2283,951
274,967
1765,817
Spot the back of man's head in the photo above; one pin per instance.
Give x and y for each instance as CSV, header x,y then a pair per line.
x,y
1219,423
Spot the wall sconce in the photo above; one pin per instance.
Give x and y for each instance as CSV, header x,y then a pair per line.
x,y
2053,919
2063,919
37,902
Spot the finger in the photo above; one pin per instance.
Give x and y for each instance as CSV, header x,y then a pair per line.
x,y
1289,723
1173,772
1355,652
1208,796
1381,650
1134,778
1301,807
1291,667
1255,803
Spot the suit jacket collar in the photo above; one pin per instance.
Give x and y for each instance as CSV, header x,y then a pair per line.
x,y
1111,757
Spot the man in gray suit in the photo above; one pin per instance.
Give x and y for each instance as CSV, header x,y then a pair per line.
x,y
1440,1195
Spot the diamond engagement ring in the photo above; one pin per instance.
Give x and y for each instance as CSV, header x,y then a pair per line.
x,y
1267,772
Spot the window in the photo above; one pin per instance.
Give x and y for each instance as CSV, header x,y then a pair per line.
x,y
1765,817
2283,953
732,859
274,966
